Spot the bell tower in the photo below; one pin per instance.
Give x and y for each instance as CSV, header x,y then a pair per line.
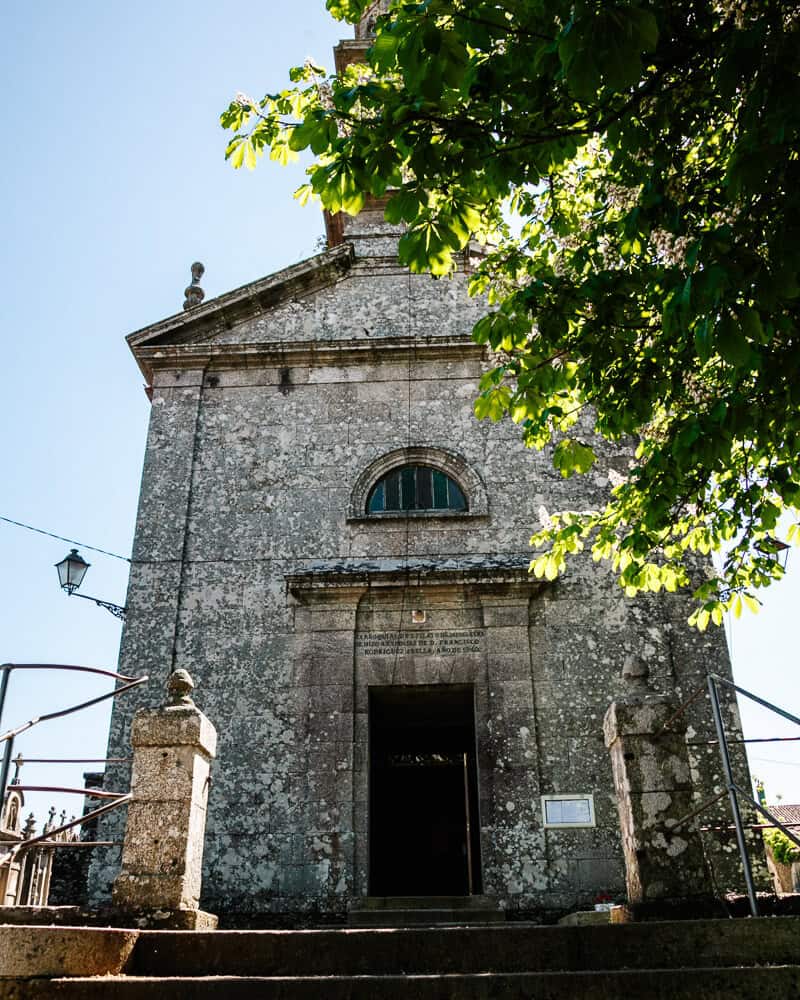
x,y
365,29
350,51
368,231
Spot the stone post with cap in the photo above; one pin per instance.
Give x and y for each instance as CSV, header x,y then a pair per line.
x,y
162,856
652,780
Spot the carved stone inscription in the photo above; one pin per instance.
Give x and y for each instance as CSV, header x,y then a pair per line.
x,y
431,642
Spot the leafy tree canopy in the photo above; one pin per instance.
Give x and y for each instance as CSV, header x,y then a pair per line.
x,y
633,170
783,850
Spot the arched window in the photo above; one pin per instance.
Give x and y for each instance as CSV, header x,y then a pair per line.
x,y
415,487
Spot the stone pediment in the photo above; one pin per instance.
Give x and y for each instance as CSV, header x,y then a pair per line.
x,y
206,322
338,307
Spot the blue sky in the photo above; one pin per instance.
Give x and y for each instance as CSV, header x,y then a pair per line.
x,y
113,182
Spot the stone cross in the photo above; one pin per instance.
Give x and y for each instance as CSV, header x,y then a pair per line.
x,y
162,855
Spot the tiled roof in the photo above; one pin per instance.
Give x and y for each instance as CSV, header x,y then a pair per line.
x,y
786,814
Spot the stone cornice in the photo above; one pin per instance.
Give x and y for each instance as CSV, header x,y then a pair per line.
x,y
489,572
314,353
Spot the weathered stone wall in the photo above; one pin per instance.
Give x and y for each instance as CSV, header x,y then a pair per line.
x,y
253,571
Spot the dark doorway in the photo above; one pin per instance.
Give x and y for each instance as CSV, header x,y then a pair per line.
x,y
424,829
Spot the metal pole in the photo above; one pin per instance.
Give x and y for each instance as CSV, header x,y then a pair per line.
x,y
731,785
9,747
468,825
6,668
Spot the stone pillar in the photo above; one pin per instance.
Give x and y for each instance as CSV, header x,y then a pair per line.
x,y
512,838
162,855
654,790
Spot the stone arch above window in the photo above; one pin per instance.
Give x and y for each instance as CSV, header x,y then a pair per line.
x,y
454,468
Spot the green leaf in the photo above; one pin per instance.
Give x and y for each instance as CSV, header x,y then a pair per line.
x,y
751,602
236,153
403,206
383,53
580,65
571,457
347,10
730,342
751,326
304,194
645,28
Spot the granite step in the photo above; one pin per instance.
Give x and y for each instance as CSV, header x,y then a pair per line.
x,y
777,983
504,948
425,903
410,911
752,959
423,918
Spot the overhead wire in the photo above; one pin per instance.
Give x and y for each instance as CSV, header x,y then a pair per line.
x,y
61,538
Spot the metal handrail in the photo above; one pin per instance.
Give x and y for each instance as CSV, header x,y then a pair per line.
x,y
87,793
755,698
45,840
48,844
732,789
68,711
26,845
72,760
8,737
65,666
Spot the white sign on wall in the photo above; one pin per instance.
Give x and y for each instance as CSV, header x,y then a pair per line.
x,y
568,810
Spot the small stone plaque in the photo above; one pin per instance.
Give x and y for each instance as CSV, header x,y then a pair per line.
x,y
430,642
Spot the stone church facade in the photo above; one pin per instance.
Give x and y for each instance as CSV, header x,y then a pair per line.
x,y
337,551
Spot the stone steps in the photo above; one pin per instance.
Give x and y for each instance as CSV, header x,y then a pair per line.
x,y
747,959
425,903
423,918
509,948
775,983
408,911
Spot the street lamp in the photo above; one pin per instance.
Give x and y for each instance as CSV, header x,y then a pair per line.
x,y
71,571
774,549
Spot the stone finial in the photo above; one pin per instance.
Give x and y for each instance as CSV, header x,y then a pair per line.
x,y
636,673
179,687
30,827
194,293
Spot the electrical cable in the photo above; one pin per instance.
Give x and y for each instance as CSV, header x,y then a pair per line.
x,y
61,538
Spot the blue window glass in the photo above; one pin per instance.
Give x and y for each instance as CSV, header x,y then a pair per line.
x,y
376,500
415,487
392,492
